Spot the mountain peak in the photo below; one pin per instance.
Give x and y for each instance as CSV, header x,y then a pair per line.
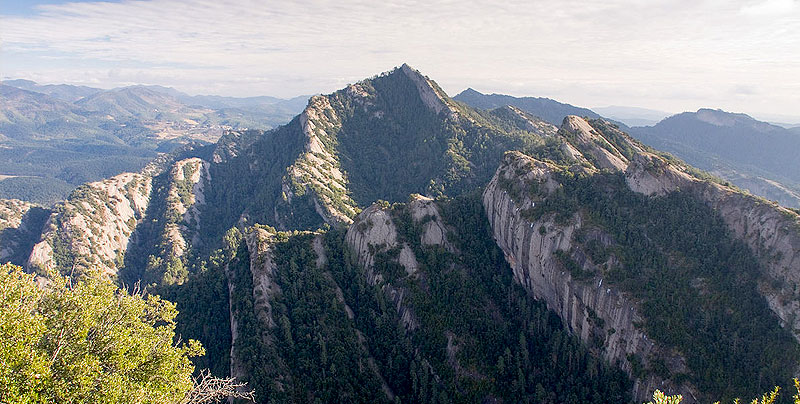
x,y
430,93
470,92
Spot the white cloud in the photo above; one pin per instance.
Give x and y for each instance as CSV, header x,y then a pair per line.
x,y
770,7
663,54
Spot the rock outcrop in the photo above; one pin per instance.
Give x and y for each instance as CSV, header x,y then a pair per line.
x,y
91,230
20,225
430,94
603,316
373,232
533,246
425,212
317,170
185,198
584,137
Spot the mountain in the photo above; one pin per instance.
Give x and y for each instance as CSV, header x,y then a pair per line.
x,y
390,243
271,110
549,110
27,115
134,102
751,154
63,92
632,116
50,144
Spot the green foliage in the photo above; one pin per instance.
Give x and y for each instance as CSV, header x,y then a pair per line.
x,y
249,184
766,398
661,398
313,351
88,342
394,145
45,191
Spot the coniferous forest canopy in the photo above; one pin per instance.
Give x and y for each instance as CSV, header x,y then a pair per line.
x,y
349,256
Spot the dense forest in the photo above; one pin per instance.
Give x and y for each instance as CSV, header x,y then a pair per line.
x,y
338,338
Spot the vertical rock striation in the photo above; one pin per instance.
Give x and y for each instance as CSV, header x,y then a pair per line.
x,y
604,317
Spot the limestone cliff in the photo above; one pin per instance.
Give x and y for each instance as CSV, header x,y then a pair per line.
x,y
185,198
91,230
374,232
20,225
259,266
431,95
538,247
594,146
772,232
602,315
317,169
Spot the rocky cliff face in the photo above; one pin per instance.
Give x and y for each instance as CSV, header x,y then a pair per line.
x,y
603,316
20,225
430,93
536,247
317,169
772,232
91,230
185,198
374,232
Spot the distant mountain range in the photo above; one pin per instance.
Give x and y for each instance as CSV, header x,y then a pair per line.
x,y
754,155
63,92
548,110
757,156
55,137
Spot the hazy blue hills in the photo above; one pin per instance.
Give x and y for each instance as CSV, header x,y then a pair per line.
x,y
754,155
549,110
64,92
55,137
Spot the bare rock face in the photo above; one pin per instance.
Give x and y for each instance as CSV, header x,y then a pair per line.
x,y
185,198
94,226
603,316
12,220
262,268
429,93
12,211
373,231
587,139
317,169
424,210
772,232
532,246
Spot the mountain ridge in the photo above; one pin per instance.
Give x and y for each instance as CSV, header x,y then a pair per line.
x,y
427,240
550,110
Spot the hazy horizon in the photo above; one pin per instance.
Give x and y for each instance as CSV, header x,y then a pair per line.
x,y
665,55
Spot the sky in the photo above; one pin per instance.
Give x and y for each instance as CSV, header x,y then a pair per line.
x,y
669,55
